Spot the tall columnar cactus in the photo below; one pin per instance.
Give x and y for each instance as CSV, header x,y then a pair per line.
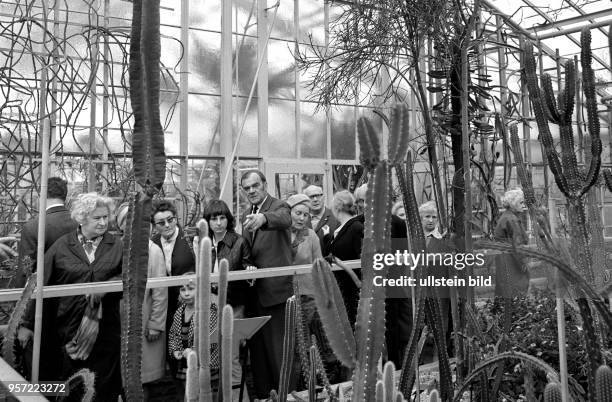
x,y
288,350
149,163
603,383
362,350
227,329
202,312
572,183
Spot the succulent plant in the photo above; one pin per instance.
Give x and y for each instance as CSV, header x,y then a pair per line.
x,y
552,392
603,383
149,163
8,341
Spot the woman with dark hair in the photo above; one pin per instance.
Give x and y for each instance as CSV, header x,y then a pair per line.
x,y
229,245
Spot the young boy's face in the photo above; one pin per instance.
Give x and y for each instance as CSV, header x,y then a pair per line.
x,y
188,293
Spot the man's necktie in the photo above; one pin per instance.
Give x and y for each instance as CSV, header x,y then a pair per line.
x,y
254,209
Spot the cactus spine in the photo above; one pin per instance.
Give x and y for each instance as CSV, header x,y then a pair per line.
x,y
603,383
227,328
433,396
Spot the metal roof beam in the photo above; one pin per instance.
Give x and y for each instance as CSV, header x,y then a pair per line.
x,y
572,20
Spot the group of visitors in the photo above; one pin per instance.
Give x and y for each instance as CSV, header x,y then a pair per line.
x,y
84,331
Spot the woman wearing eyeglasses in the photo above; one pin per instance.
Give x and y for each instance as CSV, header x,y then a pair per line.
x,y
178,255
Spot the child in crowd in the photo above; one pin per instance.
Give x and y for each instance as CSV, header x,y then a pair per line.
x,y
181,336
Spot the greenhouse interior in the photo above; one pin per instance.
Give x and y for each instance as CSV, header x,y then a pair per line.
x,y
306,200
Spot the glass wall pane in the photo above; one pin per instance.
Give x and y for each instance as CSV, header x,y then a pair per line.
x,y
169,113
249,141
283,24
311,22
204,114
244,17
205,14
281,70
314,131
204,62
247,64
343,132
281,129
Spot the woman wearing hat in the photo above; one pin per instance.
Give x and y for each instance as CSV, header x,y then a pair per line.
x,y
154,310
306,248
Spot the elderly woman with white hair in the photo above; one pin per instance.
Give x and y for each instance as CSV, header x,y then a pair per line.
x,y
511,275
88,326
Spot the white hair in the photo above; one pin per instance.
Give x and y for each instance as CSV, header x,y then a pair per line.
x,y
429,206
360,192
311,189
511,197
345,202
85,204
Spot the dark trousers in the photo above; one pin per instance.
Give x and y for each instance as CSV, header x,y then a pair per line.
x,y
266,348
398,327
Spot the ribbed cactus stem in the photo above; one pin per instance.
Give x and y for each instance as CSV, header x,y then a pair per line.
x,y
603,383
398,134
552,392
288,349
368,143
370,322
203,312
434,396
192,387
312,376
388,379
227,329
332,312
381,394
222,301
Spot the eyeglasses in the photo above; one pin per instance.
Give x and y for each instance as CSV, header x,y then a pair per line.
x,y
168,221
313,196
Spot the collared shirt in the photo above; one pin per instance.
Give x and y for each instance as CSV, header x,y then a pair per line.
x,y
258,205
168,248
89,245
59,204
434,233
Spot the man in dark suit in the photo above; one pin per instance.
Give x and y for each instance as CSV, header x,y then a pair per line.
x,y
178,256
322,220
266,228
58,223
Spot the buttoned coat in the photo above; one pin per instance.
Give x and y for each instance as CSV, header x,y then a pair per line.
x,y
183,261
328,219
57,223
154,310
271,247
